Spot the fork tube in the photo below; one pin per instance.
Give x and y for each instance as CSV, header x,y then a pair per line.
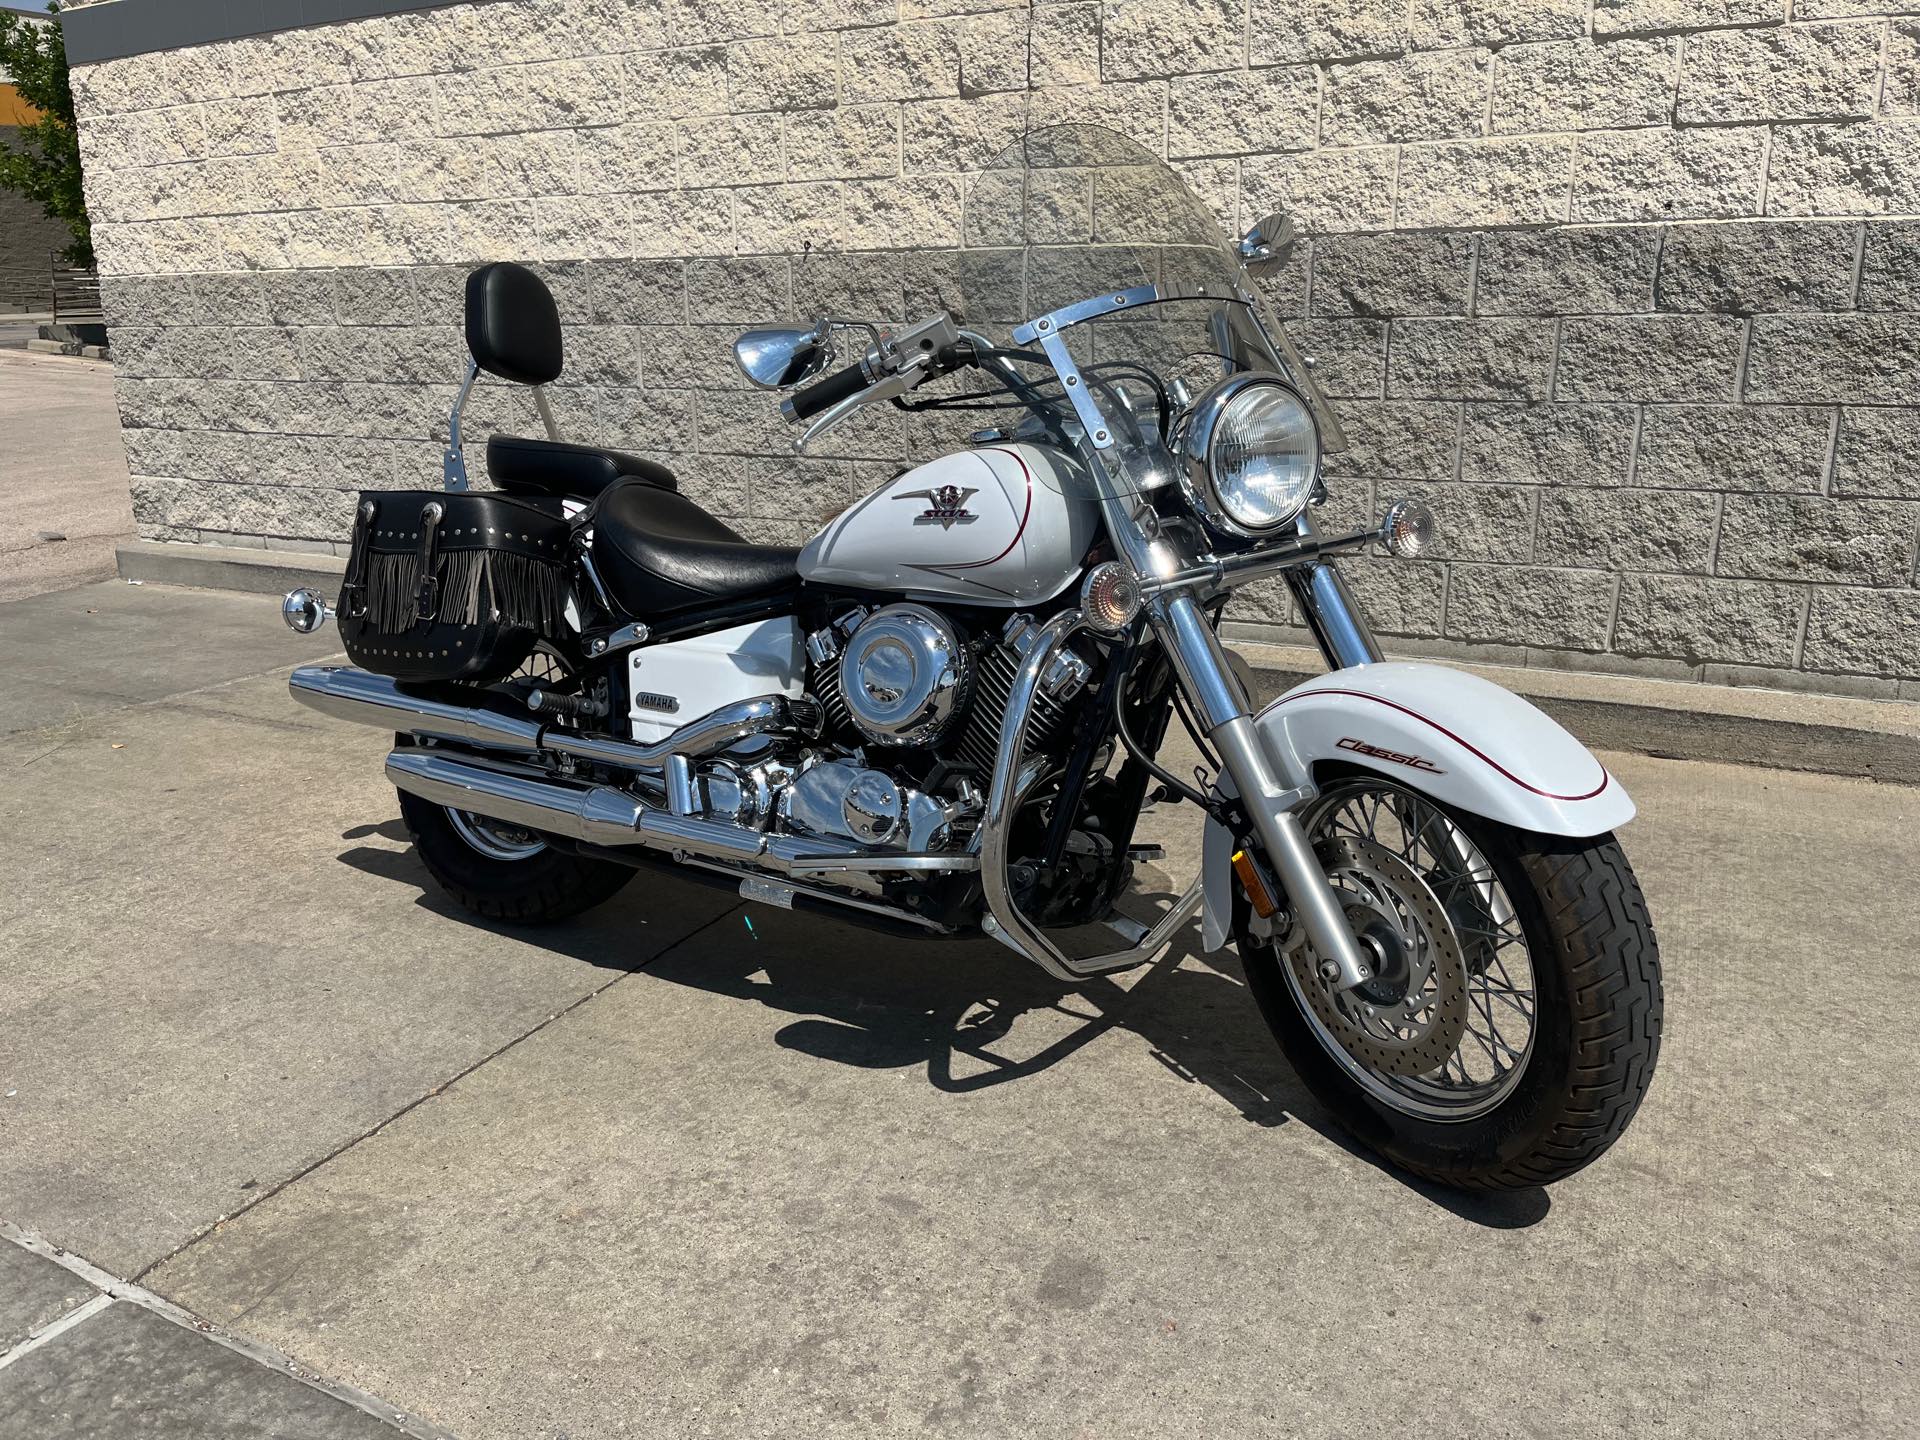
x,y
1290,852
1201,665
1339,626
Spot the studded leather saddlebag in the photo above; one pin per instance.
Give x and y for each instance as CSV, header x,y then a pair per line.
x,y
444,586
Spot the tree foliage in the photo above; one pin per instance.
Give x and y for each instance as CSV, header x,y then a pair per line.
x,y
43,163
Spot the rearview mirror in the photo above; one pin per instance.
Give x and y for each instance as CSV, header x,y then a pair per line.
x,y
1267,244
776,359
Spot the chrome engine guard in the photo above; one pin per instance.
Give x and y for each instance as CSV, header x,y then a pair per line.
x,y
1007,923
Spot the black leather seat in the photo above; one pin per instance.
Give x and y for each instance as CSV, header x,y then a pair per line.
x,y
552,467
659,553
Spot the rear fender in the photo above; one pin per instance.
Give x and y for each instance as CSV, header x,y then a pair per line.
x,y
1462,740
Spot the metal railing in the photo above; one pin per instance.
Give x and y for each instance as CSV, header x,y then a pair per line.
x,y
76,293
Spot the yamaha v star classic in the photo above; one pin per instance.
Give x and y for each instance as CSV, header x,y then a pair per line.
x,y
947,710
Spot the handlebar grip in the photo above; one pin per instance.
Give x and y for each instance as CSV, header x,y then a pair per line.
x,y
809,401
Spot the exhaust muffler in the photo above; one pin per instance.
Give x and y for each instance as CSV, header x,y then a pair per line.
x,y
597,814
368,699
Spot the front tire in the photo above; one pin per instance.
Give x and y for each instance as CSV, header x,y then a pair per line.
x,y
505,875
1503,1110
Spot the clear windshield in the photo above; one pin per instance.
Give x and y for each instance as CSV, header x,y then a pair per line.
x,y
1066,214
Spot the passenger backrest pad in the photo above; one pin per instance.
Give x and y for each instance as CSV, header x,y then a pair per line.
x,y
513,326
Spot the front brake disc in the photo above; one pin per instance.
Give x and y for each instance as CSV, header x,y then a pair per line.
x,y
1413,1016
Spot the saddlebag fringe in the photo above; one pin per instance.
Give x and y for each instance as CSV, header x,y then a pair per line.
x,y
393,592
452,587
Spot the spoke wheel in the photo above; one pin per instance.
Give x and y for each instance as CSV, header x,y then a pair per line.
x,y
546,667
1512,1020
493,838
1444,1029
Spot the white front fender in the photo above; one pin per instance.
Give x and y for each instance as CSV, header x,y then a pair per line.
x,y
1463,740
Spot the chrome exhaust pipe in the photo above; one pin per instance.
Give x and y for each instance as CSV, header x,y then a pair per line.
x,y
368,699
602,815
599,814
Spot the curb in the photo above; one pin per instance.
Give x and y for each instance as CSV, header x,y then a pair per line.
x,y
68,347
218,567
1674,720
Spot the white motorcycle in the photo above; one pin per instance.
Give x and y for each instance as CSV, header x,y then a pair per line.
x,y
946,710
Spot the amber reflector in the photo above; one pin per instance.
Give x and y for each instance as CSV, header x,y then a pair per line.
x,y
1255,884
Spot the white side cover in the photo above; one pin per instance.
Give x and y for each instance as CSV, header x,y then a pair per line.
x,y
681,680
1462,740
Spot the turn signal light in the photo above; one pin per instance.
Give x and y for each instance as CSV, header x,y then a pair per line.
x,y
1110,598
1408,529
1255,884
304,611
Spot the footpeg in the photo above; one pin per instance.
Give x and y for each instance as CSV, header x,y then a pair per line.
x,y
566,707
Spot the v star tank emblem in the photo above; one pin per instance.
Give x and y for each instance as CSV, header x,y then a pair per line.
x,y
946,505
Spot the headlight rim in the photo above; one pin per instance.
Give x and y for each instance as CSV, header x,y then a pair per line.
x,y
1194,464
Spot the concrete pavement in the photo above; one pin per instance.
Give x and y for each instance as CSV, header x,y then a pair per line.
x,y
62,470
655,1172
83,1354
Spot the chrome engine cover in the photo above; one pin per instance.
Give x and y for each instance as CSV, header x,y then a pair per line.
x,y
904,675
840,801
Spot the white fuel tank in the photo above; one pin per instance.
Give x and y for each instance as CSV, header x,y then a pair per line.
x,y
1001,525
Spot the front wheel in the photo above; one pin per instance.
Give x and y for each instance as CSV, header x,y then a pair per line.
x,y
1512,1023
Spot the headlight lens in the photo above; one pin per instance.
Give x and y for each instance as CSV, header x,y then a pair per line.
x,y
1250,454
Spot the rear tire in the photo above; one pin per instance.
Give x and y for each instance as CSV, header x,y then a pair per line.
x,y
1595,1034
540,887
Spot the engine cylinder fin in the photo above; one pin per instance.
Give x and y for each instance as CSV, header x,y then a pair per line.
x,y
826,689
993,689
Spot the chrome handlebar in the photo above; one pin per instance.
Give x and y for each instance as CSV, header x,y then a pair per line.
x,y
893,365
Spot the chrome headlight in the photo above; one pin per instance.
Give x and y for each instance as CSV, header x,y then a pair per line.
x,y
1249,454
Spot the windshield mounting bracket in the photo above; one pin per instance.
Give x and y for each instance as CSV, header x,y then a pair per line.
x,y
1068,316
1088,413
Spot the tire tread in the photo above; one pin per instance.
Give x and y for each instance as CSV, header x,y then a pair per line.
x,y
1599,918
547,887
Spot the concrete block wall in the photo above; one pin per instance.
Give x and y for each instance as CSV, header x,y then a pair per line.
x,y
1626,288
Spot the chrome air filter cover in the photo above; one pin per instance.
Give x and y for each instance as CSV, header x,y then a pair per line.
x,y
904,673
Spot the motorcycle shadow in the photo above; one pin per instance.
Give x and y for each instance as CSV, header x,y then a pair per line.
x,y
970,1012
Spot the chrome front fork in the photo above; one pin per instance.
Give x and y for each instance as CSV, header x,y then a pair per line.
x,y
1272,786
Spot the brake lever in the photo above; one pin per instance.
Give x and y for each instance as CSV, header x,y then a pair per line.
x,y
888,387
